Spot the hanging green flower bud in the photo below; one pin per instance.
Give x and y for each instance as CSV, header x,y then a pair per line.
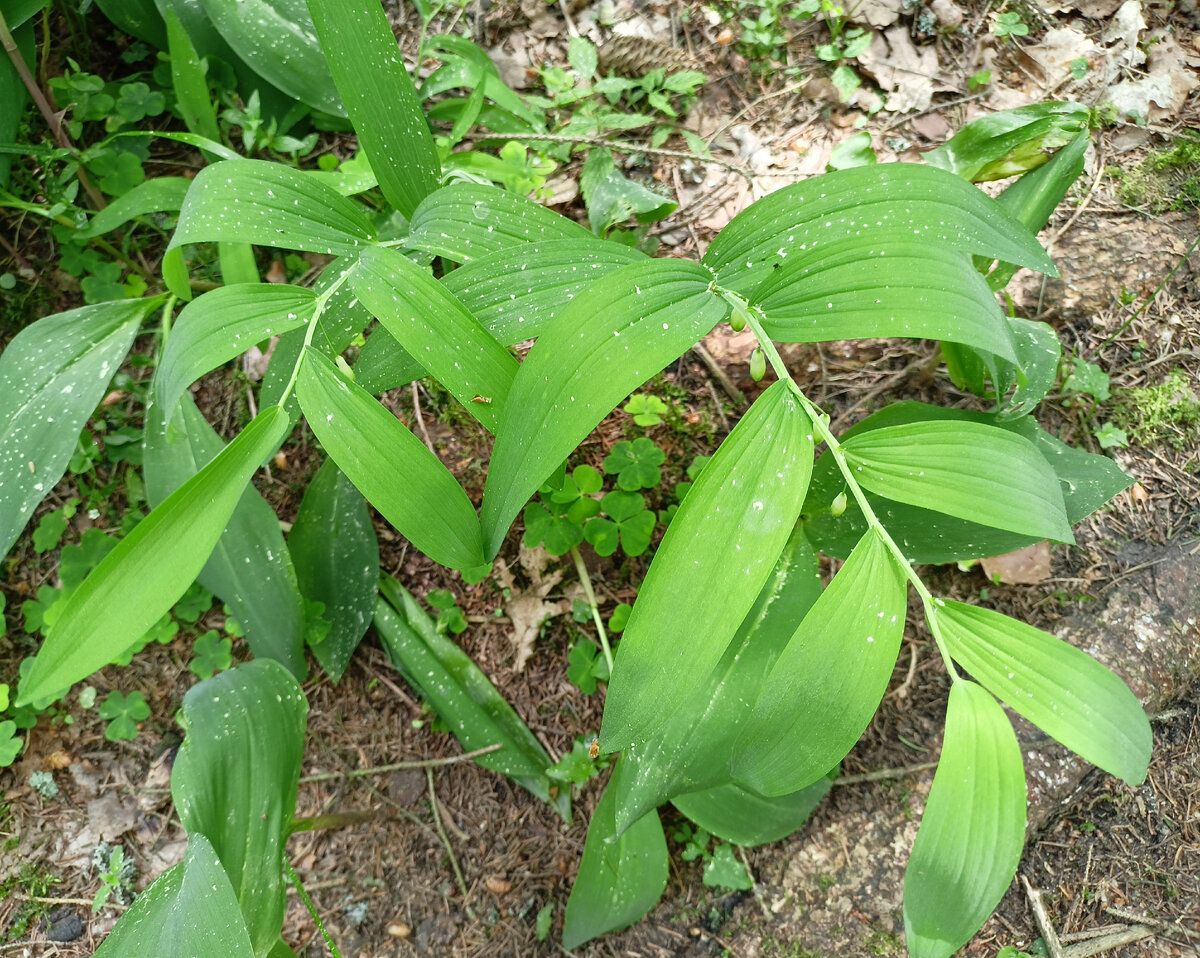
x,y
737,321
758,364
838,506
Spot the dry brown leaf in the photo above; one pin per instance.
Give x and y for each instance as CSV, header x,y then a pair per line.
x,y
875,13
1058,48
908,74
527,608
1023,567
109,818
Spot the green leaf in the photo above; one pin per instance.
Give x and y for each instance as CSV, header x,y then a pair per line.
x,y
714,559
611,338
723,870
619,879
123,712
222,324
163,194
583,57
968,470
153,566
379,98
824,688
433,326
53,375
853,151
237,263
13,95
235,781
447,678
871,206
384,364
269,204
191,909
612,198
742,816
390,466
189,81
337,563
1060,689
517,291
249,568
210,654
1088,379
10,743
557,532
904,288
277,39
139,18
464,221
635,464
969,843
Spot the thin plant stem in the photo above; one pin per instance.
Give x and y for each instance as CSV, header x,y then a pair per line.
x,y
400,766
437,823
586,581
295,879
318,310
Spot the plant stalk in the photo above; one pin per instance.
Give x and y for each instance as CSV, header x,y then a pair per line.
x,y
586,581
318,310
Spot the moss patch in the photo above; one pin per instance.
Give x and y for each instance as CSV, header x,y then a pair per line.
x,y
1167,412
1166,180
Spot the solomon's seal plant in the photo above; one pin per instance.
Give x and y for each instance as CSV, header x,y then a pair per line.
x,y
739,682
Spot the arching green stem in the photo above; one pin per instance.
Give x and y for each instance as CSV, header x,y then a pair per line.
x,y
318,309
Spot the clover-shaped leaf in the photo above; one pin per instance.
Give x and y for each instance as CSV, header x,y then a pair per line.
x,y
211,654
585,665
10,743
645,409
576,494
635,464
137,101
556,532
195,602
619,617
123,713
577,766
628,523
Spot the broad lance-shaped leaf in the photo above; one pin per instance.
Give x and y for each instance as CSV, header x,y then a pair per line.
x,y
742,816
152,567
437,330
901,289
162,194
717,554
969,470
191,909
619,879
466,220
1087,481
1060,689
878,205
379,98
390,466
692,752
336,553
461,694
250,569
613,336
235,781
969,843
221,325
270,204
826,685
52,377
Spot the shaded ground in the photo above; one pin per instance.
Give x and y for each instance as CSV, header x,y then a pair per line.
x,y
1102,852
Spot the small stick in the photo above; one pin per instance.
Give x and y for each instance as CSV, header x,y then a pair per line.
x,y
1045,925
398,766
719,374
437,821
884,774
420,418
67,901
741,852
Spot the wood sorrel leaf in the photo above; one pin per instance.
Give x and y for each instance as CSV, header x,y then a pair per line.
x,y
461,694
379,98
969,843
250,568
619,879
222,324
437,330
337,563
390,466
191,909
609,340
827,683
873,206
717,554
235,781
270,204
153,566
52,377
466,220
972,471
742,816
1060,689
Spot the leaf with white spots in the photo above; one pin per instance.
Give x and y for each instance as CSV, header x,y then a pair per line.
x,y
152,567
827,683
191,909
221,325
390,466
969,470
337,563
719,551
250,568
269,204
967,848
869,208
904,289
277,39
236,778
612,337
52,377
379,97
162,194
1060,689
517,291
466,220
436,330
